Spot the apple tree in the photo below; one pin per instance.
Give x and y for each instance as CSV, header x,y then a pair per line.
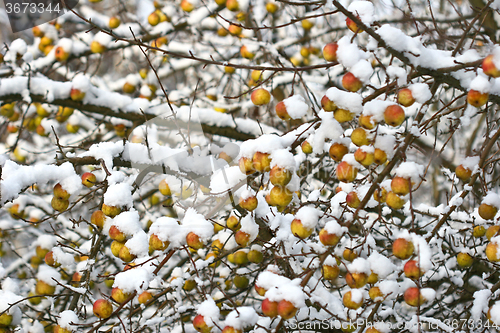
x,y
251,165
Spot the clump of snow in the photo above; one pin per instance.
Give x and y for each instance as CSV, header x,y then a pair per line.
x,y
48,275
424,252
410,170
345,100
225,179
399,73
8,298
66,44
296,106
209,310
381,265
249,226
268,280
492,199
389,288
243,316
102,38
136,279
309,216
284,159
127,222
291,291
81,82
138,245
495,313
332,227
164,228
68,320
119,195
363,70
421,92
65,259
348,54
195,222
428,293
359,265
386,143
480,303
266,143
46,241
481,84
364,10
470,162
356,295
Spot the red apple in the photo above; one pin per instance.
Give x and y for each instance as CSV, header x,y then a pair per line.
x,y
379,156
405,97
463,173
351,83
327,104
476,98
59,204
356,280
98,218
145,297
156,244
246,166
363,157
280,176
164,188
60,54
116,234
60,193
261,162
249,203
352,200
89,179
492,252
360,137
306,147
110,211
280,196
402,248
464,260
367,122
269,308
43,288
412,269
375,293
102,308
394,201
349,302
337,151
487,211
394,115
330,272
194,241
118,295
328,239
400,185
299,230
50,260
353,26
260,97
489,67
77,94
286,309
281,111
200,325
346,172
245,53
330,52
413,297
242,238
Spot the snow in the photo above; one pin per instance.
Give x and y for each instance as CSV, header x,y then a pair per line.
x,y
429,294
103,38
495,313
332,227
296,106
68,320
46,241
249,226
410,170
492,199
309,216
65,259
127,222
481,84
424,252
359,265
389,288
363,70
345,100
480,303
195,222
81,82
386,143
119,195
381,265
399,73
421,92
290,291
136,279
470,162
8,298
348,54
48,275
284,159
363,9
17,177
164,228
138,245
356,295
241,317
269,280
209,310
